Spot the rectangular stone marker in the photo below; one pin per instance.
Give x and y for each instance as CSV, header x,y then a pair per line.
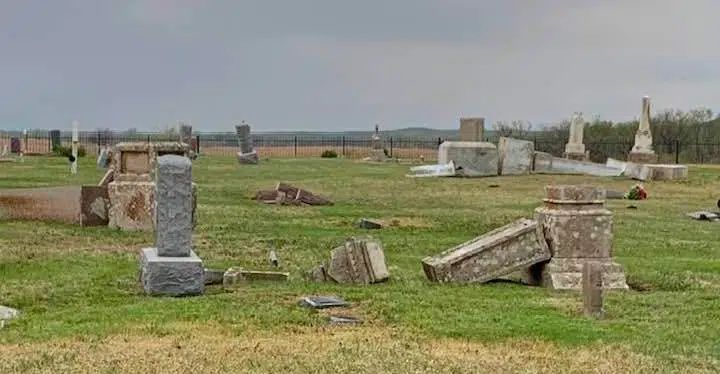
x,y
471,159
471,129
171,267
515,157
358,261
94,206
173,212
59,204
592,290
490,256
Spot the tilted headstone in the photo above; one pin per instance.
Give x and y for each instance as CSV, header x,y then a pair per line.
x,y
247,154
578,228
490,256
187,138
171,267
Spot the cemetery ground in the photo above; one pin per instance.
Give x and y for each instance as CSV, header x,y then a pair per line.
x,y
84,310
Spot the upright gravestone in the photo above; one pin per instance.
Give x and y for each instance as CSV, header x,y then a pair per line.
x,y
55,139
187,138
15,145
377,148
247,154
471,129
642,152
575,148
171,267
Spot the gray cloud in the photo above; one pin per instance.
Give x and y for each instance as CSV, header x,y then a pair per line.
x,y
323,64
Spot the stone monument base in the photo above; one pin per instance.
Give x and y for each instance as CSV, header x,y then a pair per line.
x,y
171,276
566,274
472,159
661,172
577,156
642,158
250,158
131,205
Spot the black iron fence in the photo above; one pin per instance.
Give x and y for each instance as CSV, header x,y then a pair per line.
x,y
273,145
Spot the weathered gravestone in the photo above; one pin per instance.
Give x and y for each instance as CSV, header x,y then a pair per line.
x,y
642,152
357,261
247,154
187,138
515,156
471,159
171,267
490,256
578,228
593,290
575,148
472,129
377,148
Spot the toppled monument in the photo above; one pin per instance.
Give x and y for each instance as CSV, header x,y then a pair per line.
x,y
515,157
78,205
495,254
642,152
358,261
471,159
235,276
132,189
247,154
172,268
577,228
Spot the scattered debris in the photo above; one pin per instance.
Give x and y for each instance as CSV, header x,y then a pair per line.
x,y
286,194
344,320
704,216
369,225
238,275
322,302
497,253
214,276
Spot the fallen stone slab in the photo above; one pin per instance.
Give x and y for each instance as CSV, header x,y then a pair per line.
x,y
515,156
83,205
369,225
250,158
495,254
545,163
344,320
358,261
471,159
236,275
632,170
440,170
322,302
6,314
704,216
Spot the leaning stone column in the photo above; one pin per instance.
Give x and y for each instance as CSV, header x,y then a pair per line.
x,y
171,267
578,229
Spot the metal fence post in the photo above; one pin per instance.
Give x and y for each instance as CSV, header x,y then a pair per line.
x,y
343,146
677,151
295,146
197,144
391,146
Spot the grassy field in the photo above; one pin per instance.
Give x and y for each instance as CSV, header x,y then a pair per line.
x,y
85,312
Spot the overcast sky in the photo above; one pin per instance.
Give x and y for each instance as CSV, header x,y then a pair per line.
x,y
346,65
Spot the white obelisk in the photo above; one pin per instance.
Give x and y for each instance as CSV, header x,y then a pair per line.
x,y
75,144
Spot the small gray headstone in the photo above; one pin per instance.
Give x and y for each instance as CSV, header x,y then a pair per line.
x,y
369,225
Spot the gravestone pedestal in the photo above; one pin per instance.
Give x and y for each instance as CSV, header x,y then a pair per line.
x,y
171,268
642,152
578,229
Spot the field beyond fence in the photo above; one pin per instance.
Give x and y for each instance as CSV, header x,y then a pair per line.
x,y
353,147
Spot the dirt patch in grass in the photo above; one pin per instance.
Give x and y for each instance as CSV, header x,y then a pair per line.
x,y
310,350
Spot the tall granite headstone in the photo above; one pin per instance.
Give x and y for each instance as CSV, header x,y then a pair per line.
x,y
171,267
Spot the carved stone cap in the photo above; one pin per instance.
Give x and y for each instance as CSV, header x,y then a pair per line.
x,y
574,194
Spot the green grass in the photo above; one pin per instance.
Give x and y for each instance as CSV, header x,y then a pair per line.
x,y
80,283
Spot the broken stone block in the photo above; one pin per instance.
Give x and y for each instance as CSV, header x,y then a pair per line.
x,y
131,205
490,256
369,225
471,159
578,228
515,157
322,302
236,275
663,172
358,261
250,158
214,276
94,205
